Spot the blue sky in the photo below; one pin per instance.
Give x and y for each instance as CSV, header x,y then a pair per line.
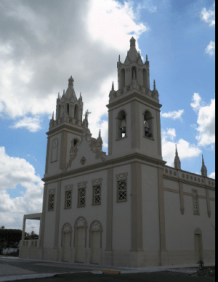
x,y
43,43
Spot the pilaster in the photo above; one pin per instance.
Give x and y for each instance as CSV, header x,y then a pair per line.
x,y
136,207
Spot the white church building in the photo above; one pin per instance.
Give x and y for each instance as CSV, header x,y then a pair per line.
x,y
127,207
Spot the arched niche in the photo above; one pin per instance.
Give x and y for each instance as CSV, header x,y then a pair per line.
x,y
121,124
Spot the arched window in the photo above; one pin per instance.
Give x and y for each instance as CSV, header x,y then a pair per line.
x,y
134,73
59,111
147,124
68,109
145,78
75,141
121,124
76,112
122,78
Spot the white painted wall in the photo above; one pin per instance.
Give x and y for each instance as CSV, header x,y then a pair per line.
x,y
122,213
150,208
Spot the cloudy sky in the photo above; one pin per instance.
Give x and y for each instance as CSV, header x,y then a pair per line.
x,y
44,42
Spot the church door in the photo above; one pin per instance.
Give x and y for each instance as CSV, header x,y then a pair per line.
x,y
80,245
198,247
66,247
95,247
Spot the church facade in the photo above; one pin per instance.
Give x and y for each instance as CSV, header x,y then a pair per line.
x,y
126,208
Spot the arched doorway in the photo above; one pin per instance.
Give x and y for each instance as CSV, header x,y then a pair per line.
x,y
80,239
66,241
95,241
198,245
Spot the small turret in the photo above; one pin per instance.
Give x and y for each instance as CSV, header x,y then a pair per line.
x,y
203,168
177,163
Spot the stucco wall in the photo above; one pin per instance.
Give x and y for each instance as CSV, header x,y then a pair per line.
x,y
122,213
150,208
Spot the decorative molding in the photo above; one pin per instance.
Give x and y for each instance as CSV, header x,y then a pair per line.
x,y
97,181
67,228
51,191
65,126
82,184
122,176
68,187
134,95
83,160
107,164
95,227
80,222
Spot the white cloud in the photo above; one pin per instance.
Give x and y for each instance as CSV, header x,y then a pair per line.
x,y
185,149
17,171
30,123
208,16
174,115
38,58
212,175
205,121
196,102
147,5
210,48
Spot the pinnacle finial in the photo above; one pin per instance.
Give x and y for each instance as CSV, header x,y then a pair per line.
x,y
70,81
112,86
119,59
132,42
146,58
154,85
203,168
52,116
99,134
177,163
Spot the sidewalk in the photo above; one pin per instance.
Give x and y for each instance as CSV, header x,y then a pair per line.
x,y
12,268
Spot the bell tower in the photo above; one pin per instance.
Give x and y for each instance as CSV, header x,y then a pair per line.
x,y
134,109
65,130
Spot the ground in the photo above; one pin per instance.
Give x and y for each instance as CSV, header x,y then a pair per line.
x,y
30,270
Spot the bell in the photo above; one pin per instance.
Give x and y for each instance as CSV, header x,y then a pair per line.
x,y
123,129
146,130
123,126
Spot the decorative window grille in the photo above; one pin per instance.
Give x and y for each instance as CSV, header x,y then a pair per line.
x,y
122,191
68,197
195,203
97,195
82,197
51,202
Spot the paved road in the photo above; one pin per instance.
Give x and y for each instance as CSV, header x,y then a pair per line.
x,y
29,270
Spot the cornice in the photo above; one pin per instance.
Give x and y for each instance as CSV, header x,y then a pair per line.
x,y
176,179
134,95
64,126
105,164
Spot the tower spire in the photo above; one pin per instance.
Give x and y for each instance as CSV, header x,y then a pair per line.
x,y
177,163
203,168
132,42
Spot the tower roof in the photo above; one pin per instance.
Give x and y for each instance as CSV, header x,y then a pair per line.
x,y
70,93
133,55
